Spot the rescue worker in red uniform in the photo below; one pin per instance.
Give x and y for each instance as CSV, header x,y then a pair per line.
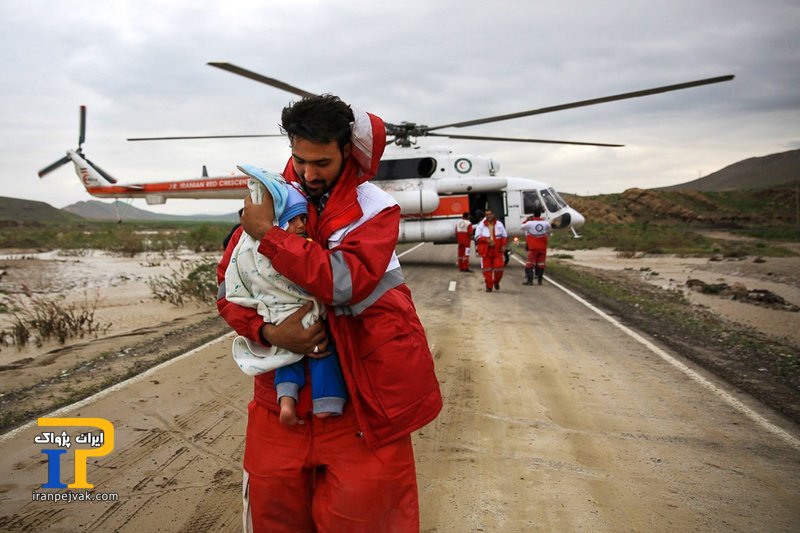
x,y
464,240
537,231
490,244
354,472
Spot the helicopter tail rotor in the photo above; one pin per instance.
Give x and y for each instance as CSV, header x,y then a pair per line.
x,y
82,136
79,153
48,169
108,177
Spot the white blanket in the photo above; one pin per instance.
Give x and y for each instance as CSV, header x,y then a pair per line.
x,y
251,281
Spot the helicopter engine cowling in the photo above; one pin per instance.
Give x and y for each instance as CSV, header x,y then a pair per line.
x,y
434,230
466,184
416,202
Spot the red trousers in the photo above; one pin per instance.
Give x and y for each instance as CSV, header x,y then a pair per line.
x,y
463,257
492,266
321,477
536,258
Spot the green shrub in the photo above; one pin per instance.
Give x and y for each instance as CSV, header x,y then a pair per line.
x,y
44,318
193,280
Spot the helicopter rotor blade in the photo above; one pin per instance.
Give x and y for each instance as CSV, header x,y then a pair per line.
x,y
582,103
48,169
201,137
259,78
82,135
514,139
108,177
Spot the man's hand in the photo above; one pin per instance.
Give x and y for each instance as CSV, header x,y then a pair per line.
x,y
257,219
291,335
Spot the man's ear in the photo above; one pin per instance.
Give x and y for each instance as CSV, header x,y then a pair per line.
x,y
346,150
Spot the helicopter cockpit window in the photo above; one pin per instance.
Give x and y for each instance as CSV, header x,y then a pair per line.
x,y
531,202
558,198
411,168
549,201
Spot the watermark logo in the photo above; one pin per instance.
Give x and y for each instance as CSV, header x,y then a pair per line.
x,y
99,444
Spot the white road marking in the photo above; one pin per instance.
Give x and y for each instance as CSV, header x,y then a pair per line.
x,y
727,397
411,250
452,287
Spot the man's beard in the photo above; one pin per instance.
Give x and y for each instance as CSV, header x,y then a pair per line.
x,y
316,194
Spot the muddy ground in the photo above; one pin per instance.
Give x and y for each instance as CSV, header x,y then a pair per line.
x,y
134,330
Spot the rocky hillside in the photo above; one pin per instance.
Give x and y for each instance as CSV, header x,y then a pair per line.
x,y
756,172
776,206
97,210
15,211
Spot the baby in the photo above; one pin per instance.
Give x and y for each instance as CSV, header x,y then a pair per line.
x,y
251,281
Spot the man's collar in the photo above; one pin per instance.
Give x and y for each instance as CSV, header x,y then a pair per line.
x,y
320,204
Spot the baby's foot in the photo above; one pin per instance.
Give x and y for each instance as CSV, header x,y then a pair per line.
x,y
288,414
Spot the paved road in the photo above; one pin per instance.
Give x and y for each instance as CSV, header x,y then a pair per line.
x,y
554,420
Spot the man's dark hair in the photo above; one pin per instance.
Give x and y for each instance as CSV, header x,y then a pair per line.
x,y
537,212
320,119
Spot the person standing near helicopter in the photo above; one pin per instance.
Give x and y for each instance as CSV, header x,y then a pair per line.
x,y
464,239
490,244
537,231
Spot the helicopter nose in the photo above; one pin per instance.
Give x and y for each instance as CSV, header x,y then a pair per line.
x,y
577,218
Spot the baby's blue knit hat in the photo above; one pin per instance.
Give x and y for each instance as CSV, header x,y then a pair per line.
x,y
296,204
287,200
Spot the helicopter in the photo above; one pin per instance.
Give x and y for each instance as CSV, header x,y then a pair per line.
x,y
432,185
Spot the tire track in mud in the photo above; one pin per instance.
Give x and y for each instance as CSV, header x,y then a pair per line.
x,y
224,396
220,509
181,465
32,521
201,441
195,434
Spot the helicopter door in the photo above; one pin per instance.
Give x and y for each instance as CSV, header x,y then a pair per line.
x,y
480,202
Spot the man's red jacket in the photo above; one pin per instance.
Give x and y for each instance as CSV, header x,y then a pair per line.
x,y
351,267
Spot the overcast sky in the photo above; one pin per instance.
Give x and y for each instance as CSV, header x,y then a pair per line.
x,y
140,67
